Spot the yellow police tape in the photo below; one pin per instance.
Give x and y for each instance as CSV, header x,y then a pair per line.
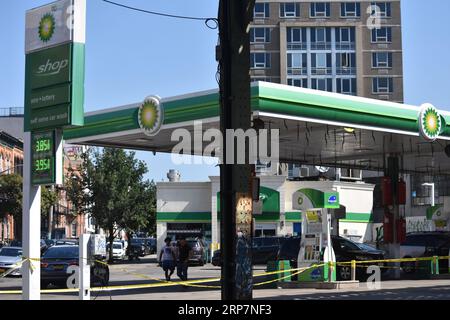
x,y
198,283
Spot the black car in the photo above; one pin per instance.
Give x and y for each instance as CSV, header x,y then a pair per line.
x,y
140,246
264,249
424,244
57,259
345,250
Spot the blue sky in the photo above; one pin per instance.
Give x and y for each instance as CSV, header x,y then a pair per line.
x,y
130,55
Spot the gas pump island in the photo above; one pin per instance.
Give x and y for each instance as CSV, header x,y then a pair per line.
x,y
318,209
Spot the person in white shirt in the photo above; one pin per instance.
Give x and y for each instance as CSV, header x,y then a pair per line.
x,y
167,259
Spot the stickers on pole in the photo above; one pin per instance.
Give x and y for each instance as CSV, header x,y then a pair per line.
x,y
430,122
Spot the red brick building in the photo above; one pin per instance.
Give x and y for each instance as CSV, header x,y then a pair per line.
x,y
11,161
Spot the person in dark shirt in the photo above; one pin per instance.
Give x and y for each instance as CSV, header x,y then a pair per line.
x,y
184,254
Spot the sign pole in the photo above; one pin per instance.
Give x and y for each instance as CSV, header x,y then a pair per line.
x,y
31,228
54,99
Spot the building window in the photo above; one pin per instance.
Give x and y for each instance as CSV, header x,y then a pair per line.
x,y
296,38
383,9
261,10
321,38
302,83
296,64
383,34
350,9
259,35
382,60
289,10
346,63
260,60
345,38
346,85
320,9
323,84
73,229
321,63
383,85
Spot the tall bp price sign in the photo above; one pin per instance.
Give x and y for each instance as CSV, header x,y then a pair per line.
x,y
54,81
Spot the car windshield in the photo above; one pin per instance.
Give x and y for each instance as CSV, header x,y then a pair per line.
x,y
365,247
344,244
117,246
10,252
61,252
192,243
138,241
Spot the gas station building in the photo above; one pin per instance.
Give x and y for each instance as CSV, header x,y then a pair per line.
x,y
316,128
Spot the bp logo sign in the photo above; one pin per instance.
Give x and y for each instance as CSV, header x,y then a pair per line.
x,y
151,116
46,27
430,122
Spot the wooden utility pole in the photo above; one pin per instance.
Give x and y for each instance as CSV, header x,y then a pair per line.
x,y
235,180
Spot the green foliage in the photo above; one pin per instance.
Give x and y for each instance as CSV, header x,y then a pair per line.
x,y
49,197
11,195
111,188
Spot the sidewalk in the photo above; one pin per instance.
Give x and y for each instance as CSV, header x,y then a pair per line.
x,y
390,290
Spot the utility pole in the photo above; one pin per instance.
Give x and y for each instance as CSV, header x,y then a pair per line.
x,y
235,179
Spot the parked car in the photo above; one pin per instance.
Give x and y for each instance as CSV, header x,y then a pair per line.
x,y
139,245
199,252
152,244
422,244
118,250
344,249
66,242
9,259
263,249
57,259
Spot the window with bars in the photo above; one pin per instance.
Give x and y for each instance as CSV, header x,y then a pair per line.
x,y
260,60
381,9
259,35
261,10
382,60
289,10
383,34
350,9
320,9
383,85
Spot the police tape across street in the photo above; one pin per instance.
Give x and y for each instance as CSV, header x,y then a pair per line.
x,y
201,282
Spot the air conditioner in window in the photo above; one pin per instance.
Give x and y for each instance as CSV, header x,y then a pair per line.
x,y
300,172
351,174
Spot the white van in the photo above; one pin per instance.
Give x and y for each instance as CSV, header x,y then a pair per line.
x,y
118,250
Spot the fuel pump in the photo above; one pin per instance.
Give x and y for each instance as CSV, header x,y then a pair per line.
x,y
315,245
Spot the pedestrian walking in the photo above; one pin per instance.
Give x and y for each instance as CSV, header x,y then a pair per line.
x,y
184,254
167,259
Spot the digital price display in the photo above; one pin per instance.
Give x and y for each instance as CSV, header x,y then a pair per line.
x,y
43,155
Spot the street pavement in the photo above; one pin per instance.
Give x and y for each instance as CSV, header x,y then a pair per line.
x,y
125,273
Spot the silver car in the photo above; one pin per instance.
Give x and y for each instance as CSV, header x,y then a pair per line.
x,y
10,258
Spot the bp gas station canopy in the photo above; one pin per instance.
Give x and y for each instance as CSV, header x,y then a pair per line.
x,y
315,127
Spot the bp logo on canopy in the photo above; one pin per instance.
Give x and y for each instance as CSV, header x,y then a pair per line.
x,y
151,116
430,122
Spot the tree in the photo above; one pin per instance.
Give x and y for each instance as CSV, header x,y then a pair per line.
x,y
110,187
11,200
